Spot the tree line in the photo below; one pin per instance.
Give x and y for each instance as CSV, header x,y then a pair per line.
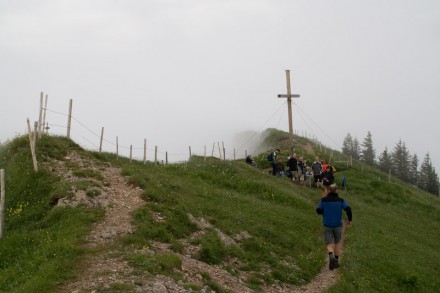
x,y
399,162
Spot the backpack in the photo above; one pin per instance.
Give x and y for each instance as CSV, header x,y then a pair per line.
x,y
270,157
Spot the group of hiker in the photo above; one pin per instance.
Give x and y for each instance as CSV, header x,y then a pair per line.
x,y
318,174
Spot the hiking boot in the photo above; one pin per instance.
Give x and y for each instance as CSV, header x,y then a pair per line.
x,y
333,264
336,263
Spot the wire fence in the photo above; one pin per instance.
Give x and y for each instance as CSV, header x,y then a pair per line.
x,y
92,140
89,139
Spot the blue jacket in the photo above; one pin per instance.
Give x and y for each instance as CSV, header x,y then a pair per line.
x,y
330,207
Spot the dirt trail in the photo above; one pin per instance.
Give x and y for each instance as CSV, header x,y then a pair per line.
x,y
105,265
119,200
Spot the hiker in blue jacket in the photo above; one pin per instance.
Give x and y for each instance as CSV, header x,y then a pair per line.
x,y
330,207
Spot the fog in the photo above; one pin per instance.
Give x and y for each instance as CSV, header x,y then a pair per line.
x,y
201,73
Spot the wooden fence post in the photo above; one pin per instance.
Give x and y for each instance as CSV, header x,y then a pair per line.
x,y
69,119
166,158
34,138
190,152
145,151
32,146
234,154
44,115
30,134
34,142
40,118
219,150
155,154
117,149
102,136
2,201
213,146
131,152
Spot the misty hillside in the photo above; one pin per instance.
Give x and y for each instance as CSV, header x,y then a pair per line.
x,y
92,222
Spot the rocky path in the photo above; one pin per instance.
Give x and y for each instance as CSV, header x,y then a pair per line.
x,y
119,200
105,265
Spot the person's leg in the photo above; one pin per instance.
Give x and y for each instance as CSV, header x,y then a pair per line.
x,y
274,169
330,238
338,245
337,249
331,248
319,182
337,232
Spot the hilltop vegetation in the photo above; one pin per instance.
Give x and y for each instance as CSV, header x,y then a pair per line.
x,y
259,228
399,162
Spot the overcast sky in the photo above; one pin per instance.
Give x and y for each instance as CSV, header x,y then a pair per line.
x,y
191,73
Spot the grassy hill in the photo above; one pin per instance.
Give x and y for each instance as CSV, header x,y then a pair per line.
x,y
276,234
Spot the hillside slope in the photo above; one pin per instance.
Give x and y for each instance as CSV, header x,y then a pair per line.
x,y
203,225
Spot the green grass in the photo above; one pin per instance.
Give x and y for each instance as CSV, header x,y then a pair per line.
x,y
155,264
392,246
40,242
233,198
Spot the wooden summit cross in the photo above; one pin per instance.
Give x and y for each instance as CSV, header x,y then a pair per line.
x,y
289,97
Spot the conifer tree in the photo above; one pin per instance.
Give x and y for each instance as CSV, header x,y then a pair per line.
x,y
368,153
428,177
413,170
385,162
400,160
356,149
347,145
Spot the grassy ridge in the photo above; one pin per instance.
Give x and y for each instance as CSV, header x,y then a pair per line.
x,y
234,198
392,246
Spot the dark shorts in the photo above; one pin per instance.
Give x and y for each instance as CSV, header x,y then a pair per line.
x,y
317,178
332,234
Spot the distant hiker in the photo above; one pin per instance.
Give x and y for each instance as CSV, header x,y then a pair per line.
x,y
251,161
309,176
292,165
317,172
327,177
344,183
330,207
332,168
324,166
272,158
280,168
302,169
